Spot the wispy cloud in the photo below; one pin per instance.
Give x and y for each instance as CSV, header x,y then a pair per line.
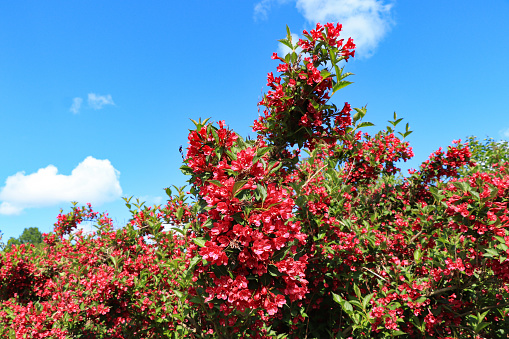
x,y
93,180
76,105
98,101
262,8
505,133
151,200
366,21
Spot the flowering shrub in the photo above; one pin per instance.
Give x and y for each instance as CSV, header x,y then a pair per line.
x,y
276,243
113,283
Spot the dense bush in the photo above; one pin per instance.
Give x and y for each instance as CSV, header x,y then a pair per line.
x,y
274,243
30,235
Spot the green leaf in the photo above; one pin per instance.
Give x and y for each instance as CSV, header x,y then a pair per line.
x,y
356,318
274,271
459,185
421,300
355,303
178,230
193,263
286,43
208,224
325,73
434,191
417,255
494,193
336,68
180,213
260,152
357,291
480,317
366,300
214,134
491,252
394,123
344,75
275,168
186,170
114,260
231,154
480,327
337,298
240,142
216,182
347,307
262,192
500,239
199,241
340,85
365,124
237,186
200,123
396,333
502,247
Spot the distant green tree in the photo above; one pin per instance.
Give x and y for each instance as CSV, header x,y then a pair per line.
x,y
30,235
2,245
486,154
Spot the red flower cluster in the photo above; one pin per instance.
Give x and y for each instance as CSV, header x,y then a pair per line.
x,y
245,225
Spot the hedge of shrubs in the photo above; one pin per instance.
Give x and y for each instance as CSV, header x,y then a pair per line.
x,y
308,231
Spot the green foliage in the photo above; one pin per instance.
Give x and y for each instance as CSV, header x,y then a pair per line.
x,y
486,154
30,235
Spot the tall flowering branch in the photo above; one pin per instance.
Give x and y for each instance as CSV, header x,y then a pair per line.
x,y
297,109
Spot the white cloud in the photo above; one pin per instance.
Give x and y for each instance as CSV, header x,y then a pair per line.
x,y
76,105
366,21
93,180
98,101
8,209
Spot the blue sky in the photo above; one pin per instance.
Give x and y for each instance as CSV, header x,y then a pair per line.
x,y
96,96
